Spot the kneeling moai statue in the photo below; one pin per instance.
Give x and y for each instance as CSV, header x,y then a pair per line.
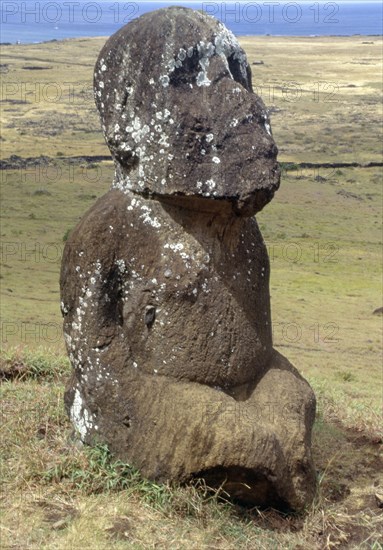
x,y
165,280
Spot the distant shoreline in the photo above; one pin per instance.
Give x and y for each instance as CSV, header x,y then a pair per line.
x,y
53,40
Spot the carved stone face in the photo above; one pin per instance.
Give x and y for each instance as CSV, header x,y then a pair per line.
x,y
179,116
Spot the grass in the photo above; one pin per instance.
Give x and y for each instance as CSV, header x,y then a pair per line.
x,y
33,238
323,235
58,110
42,364
75,496
325,253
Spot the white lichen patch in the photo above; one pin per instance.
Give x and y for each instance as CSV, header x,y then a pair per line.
x,y
147,219
80,416
137,130
133,204
202,79
205,52
164,79
205,286
175,247
164,140
121,265
225,45
182,54
267,123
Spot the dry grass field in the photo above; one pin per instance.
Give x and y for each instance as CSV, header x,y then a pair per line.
x,y
323,232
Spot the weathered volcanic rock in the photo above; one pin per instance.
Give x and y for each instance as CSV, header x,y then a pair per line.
x,y
165,281
174,92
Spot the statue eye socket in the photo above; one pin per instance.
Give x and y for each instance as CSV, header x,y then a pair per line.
x,y
150,316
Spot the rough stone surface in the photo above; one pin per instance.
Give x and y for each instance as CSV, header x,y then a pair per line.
x,y
174,92
165,281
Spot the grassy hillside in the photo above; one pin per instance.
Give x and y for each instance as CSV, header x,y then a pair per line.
x,y
323,232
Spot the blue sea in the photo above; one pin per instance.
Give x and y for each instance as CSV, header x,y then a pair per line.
x,y
32,21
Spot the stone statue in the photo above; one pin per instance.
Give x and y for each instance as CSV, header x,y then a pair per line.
x,y
165,281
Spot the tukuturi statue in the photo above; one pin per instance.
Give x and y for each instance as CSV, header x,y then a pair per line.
x,y
165,280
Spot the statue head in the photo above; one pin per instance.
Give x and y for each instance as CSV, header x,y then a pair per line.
x,y
174,93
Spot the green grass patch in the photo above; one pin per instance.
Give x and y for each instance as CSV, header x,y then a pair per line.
x,y
43,364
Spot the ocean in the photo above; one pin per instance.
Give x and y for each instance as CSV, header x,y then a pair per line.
x,y
38,21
